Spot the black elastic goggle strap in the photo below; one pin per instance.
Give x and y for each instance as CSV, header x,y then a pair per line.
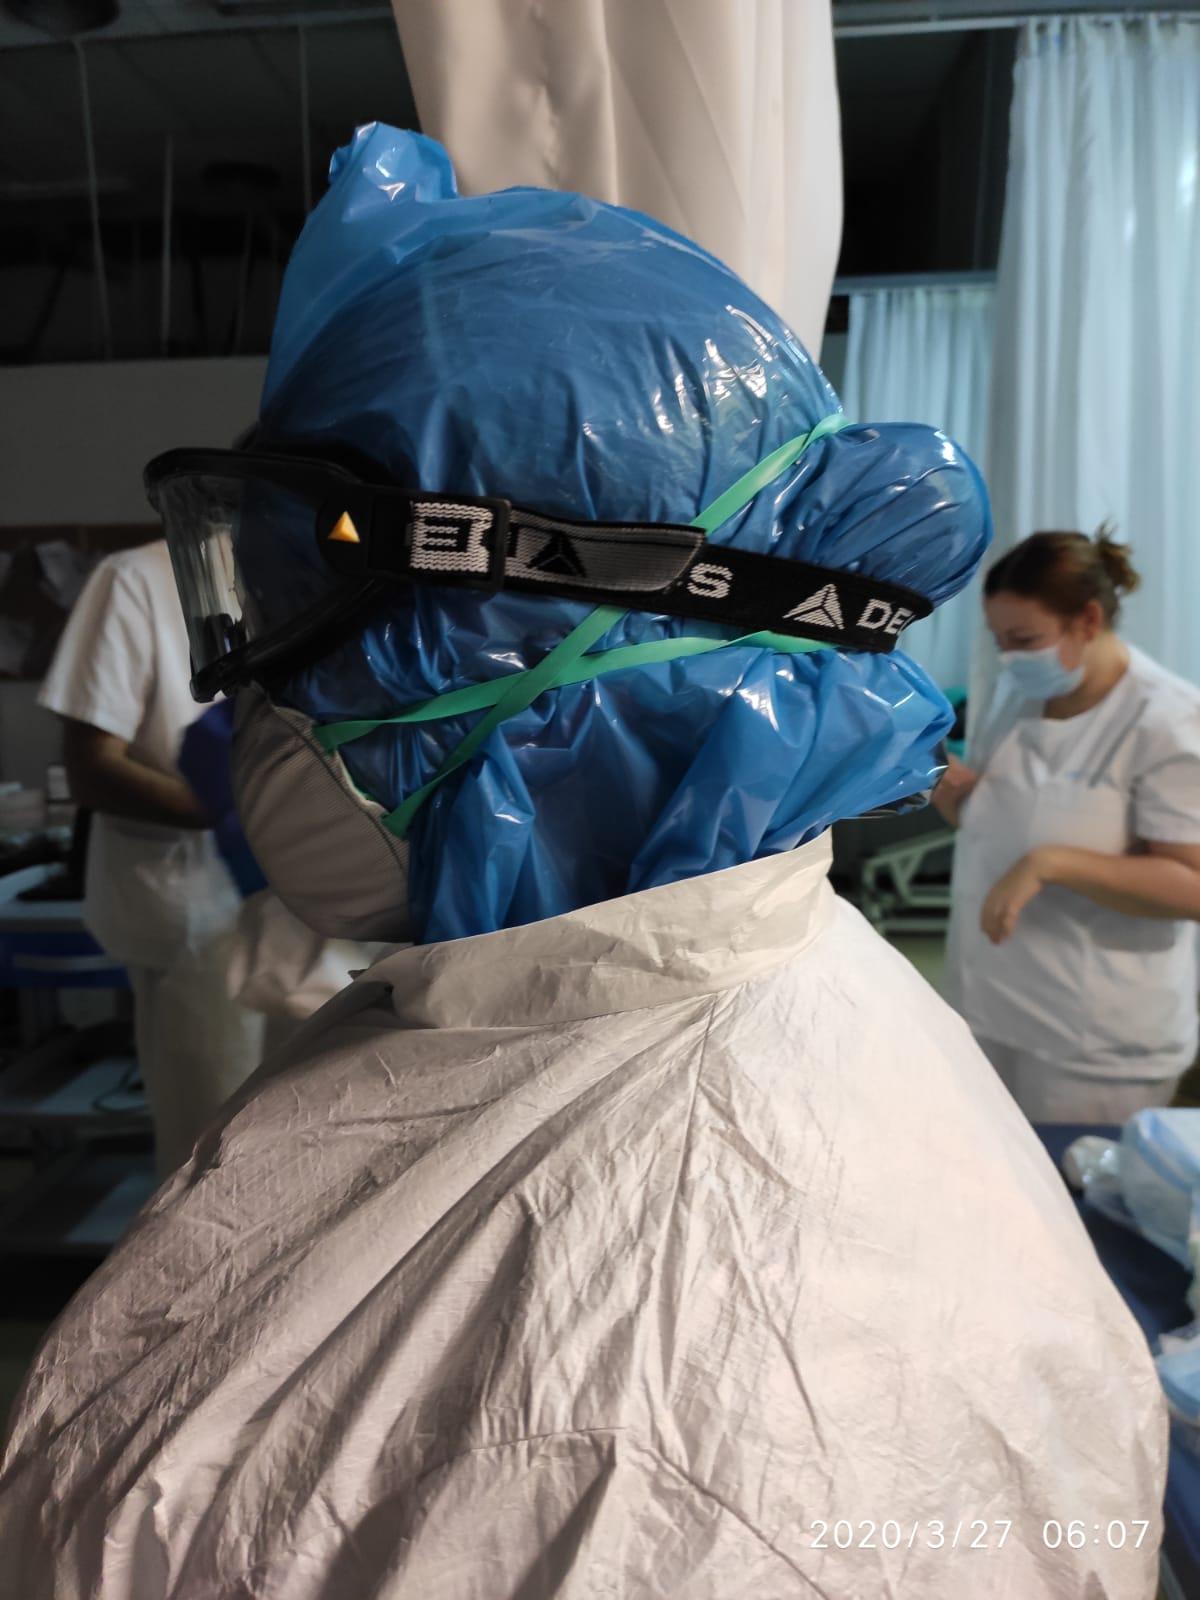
x,y
368,531
671,568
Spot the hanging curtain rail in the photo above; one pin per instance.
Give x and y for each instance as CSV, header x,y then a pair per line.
x,y
984,24
857,19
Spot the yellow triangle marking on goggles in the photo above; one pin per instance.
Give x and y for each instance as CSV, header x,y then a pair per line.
x,y
344,531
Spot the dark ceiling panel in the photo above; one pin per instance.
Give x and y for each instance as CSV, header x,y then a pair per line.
x,y
216,80
889,89
358,76
224,97
40,119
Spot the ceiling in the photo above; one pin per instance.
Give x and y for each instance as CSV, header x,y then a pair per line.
x,y
220,96
230,90
158,18
239,104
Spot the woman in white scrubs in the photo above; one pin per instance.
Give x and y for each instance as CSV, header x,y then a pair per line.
x,y
158,896
1077,873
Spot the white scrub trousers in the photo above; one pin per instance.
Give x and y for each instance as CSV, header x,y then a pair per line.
x,y
1047,1092
195,1047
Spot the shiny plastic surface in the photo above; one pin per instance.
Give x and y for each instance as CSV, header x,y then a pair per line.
x,y
581,359
1160,1175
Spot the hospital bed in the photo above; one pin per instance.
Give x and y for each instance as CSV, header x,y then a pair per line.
x,y
896,867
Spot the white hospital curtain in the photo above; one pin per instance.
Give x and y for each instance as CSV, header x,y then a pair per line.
x,y
1096,405
924,354
718,117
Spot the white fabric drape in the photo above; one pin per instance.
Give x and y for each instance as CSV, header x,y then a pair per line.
x,y
718,117
1096,405
924,354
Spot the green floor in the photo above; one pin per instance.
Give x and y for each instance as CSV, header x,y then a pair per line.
x,y
927,952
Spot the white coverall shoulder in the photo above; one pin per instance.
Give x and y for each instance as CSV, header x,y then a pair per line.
x,y
634,1250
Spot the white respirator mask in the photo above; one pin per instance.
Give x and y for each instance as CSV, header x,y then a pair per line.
x,y
1039,674
321,843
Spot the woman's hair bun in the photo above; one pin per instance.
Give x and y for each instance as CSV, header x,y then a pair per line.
x,y
1067,571
1116,559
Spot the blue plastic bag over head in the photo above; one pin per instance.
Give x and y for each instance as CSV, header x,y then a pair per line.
x,y
583,360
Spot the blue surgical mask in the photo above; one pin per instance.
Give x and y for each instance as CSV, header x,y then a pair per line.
x,y
1039,674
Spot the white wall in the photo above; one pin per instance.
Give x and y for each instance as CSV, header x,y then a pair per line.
x,y
74,438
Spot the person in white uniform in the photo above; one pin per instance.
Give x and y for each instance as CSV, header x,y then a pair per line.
x,y
656,1230
158,897
1077,865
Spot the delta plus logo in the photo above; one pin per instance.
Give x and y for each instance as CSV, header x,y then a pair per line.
x,y
824,610
544,553
820,610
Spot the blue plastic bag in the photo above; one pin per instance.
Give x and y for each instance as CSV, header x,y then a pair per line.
x,y
581,359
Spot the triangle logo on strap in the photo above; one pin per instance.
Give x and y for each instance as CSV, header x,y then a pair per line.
x,y
551,553
820,610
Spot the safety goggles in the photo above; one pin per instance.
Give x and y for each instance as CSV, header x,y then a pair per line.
x,y
372,536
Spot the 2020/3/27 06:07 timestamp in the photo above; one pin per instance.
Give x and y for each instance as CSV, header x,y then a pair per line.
x,y
966,1533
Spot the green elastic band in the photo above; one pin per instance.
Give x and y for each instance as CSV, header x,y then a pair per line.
x,y
521,691
753,482
481,696
511,695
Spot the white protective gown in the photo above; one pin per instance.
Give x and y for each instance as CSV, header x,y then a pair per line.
x,y
159,899
1088,1012
621,1254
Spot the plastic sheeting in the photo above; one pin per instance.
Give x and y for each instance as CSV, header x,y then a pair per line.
x,y
583,360
1157,1171
1160,1176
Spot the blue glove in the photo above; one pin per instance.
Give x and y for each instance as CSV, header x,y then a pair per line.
x,y
205,766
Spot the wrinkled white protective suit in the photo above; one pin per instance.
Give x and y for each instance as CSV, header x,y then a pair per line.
x,y
608,1256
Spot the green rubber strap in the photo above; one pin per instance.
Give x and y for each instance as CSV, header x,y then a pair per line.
x,y
509,696
753,482
521,691
480,696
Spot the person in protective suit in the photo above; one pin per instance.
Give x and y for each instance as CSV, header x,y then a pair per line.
x,y
646,1226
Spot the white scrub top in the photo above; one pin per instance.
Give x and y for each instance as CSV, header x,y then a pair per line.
x,y
683,1245
1092,990
123,666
